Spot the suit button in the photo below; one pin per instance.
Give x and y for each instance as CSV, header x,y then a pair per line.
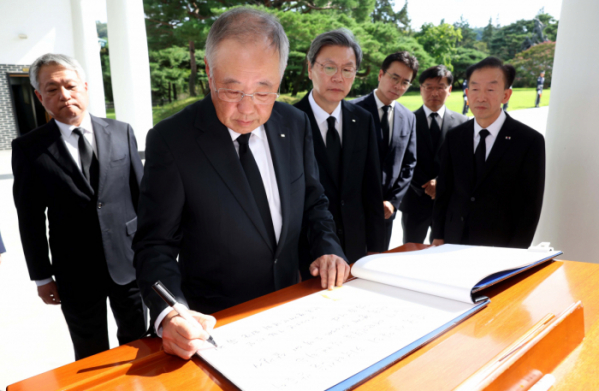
x,y
99,205
462,218
472,199
339,231
342,203
276,260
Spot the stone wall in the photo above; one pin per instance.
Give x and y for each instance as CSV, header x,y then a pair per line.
x,y
8,119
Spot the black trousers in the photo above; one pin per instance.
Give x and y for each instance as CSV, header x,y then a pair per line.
x,y
415,226
84,308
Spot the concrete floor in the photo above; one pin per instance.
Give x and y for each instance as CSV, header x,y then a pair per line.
x,y
34,336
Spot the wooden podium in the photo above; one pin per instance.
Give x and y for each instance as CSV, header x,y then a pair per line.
x,y
517,305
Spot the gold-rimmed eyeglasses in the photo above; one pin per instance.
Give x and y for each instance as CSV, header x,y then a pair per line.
x,y
331,69
234,96
398,80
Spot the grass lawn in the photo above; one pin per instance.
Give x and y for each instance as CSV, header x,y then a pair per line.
x,y
522,98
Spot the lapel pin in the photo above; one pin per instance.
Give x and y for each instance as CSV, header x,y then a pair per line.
x,y
353,120
508,138
282,135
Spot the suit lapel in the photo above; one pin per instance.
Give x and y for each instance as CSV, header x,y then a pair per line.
x,y
448,122
320,149
104,148
58,150
214,140
500,146
370,104
397,120
350,129
280,152
467,153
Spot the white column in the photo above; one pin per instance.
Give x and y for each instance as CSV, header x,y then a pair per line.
x,y
87,52
130,66
570,217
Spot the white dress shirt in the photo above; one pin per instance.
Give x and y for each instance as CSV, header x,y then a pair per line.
x,y
71,141
440,112
321,117
258,144
493,129
390,116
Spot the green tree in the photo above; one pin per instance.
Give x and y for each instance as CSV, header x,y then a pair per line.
x,y
531,62
439,41
383,12
461,60
469,36
488,32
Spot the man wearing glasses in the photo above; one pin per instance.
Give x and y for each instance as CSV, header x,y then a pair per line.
x,y
228,181
433,121
396,131
345,146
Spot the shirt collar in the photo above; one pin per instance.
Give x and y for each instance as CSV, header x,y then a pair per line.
x,y
494,128
380,104
428,111
67,130
259,132
320,115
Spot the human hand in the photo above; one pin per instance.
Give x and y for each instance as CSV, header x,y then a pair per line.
x,y
438,242
389,209
49,293
333,270
182,338
430,188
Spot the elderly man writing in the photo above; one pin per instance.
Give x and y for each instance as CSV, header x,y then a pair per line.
x,y
228,182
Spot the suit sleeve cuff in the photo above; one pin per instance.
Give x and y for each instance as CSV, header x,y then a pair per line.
x,y
44,281
159,319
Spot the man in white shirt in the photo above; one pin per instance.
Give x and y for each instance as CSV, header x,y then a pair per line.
x,y
396,131
84,172
490,187
433,121
228,182
345,146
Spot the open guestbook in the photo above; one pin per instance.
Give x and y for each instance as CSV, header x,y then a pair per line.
x,y
337,339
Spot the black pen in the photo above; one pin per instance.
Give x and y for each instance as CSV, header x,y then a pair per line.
x,y
181,310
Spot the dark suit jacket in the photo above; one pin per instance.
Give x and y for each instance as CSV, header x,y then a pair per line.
x,y
47,178
398,165
357,204
429,158
197,205
502,209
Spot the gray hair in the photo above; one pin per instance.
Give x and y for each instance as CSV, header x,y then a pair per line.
x,y
248,25
53,59
339,37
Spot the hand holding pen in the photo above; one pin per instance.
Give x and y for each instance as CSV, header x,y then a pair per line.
x,y
183,331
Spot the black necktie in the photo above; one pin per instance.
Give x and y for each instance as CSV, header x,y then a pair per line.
x,y
385,129
435,130
334,149
480,155
254,178
89,162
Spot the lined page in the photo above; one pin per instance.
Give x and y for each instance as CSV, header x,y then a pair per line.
x,y
316,342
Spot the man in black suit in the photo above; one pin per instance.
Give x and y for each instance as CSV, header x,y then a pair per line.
x,y
492,178
84,171
433,121
345,146
396,131
227,183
